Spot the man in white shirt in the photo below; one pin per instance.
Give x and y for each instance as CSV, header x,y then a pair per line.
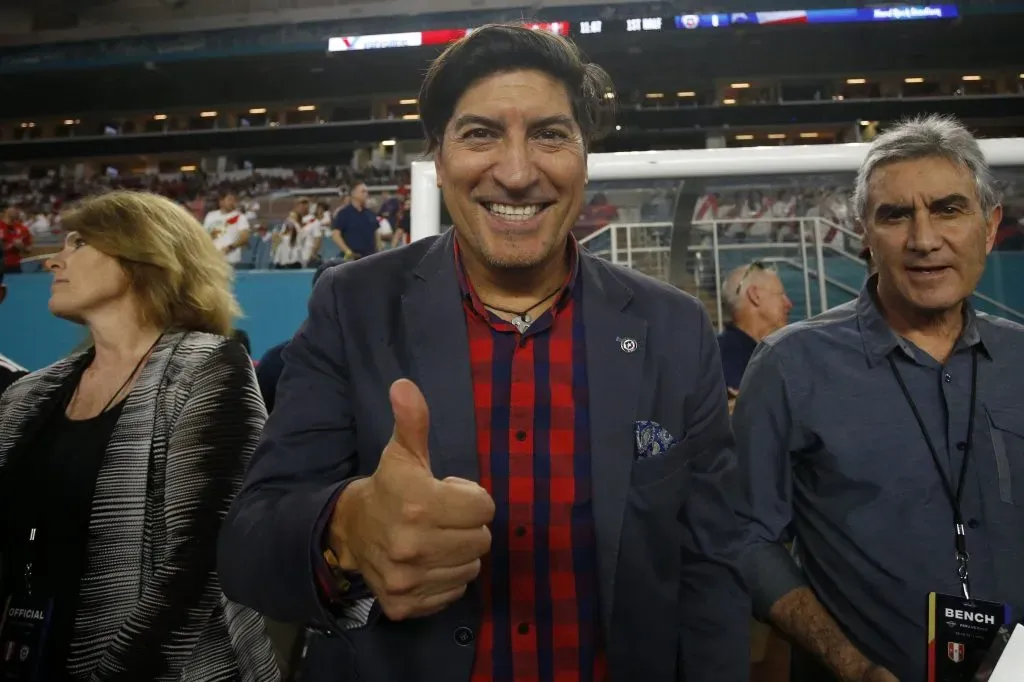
x,y
228,227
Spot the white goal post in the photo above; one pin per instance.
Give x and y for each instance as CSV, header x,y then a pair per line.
x,y
698,163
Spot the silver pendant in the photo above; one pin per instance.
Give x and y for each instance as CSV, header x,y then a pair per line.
x,y
522,322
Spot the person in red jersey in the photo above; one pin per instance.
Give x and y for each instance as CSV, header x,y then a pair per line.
x,y
16,239
495,457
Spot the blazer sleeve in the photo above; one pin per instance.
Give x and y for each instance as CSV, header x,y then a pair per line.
x,y
307,455
715,609
211,441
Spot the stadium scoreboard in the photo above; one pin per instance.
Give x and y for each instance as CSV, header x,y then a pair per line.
x,y
682,22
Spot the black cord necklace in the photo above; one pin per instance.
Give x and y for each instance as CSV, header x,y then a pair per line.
x,y
138,366
522,320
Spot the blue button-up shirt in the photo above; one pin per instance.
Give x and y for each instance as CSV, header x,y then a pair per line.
x,y
828,443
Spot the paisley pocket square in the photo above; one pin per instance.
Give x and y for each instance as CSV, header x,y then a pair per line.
x,y
652,439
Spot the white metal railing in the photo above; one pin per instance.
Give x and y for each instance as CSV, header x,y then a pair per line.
x,y
625,241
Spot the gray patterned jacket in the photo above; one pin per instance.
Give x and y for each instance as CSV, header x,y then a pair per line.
x,y
174,462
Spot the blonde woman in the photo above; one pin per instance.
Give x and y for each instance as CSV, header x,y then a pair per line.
x,y
117,464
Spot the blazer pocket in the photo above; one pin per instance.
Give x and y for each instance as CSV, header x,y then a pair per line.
x,y
1007,432
651,471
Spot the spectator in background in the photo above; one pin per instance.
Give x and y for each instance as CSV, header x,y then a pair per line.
x,y
228,227
288,252
390,207
595,215
756,305
313,231
355,227
16,239
10,371
269,368
403,229
120,460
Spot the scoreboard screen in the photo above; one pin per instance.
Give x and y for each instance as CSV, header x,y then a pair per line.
x,y
690,22
640,25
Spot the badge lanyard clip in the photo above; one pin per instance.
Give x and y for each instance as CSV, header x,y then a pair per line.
x,y
29,560
962,559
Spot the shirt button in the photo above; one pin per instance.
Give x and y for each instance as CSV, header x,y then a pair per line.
x,y
947,377
463,636
973,523
520,435
520,531
523,628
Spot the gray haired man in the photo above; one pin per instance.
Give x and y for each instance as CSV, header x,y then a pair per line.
x,y
888,433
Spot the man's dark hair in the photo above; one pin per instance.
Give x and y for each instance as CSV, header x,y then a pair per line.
x,y
501,48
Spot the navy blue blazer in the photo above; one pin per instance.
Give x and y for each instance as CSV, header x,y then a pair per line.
x,y
672,603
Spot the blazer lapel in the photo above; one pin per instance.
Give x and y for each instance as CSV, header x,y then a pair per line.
x,y
438,340
615,351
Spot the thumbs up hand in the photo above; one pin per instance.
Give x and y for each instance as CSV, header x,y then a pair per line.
x,y
416,541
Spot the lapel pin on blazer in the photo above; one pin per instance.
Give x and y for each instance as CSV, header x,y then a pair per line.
x,y
626,344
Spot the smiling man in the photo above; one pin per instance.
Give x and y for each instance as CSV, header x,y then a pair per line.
x,y
888,433
551,499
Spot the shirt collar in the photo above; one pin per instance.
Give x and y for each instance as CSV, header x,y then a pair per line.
x,y
565,293
740,335
880,339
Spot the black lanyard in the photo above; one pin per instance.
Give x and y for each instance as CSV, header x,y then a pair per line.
x,y
955,496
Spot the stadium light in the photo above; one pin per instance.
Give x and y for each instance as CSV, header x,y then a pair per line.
x,y
411,117
655,95
729,101
611,95
808,136
856,81
408,101
258,110
777,136
865,123
387,143
188,169
740,86
744,137
307,107
207,114
69,122
160,117
972,78
686,93
618,127
913,79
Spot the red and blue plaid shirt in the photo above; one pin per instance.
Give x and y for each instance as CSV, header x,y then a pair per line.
x,y
541,620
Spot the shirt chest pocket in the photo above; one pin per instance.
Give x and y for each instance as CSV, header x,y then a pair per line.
x,y
1006,429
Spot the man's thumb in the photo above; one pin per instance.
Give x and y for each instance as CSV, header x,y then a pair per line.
x,y
412,420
